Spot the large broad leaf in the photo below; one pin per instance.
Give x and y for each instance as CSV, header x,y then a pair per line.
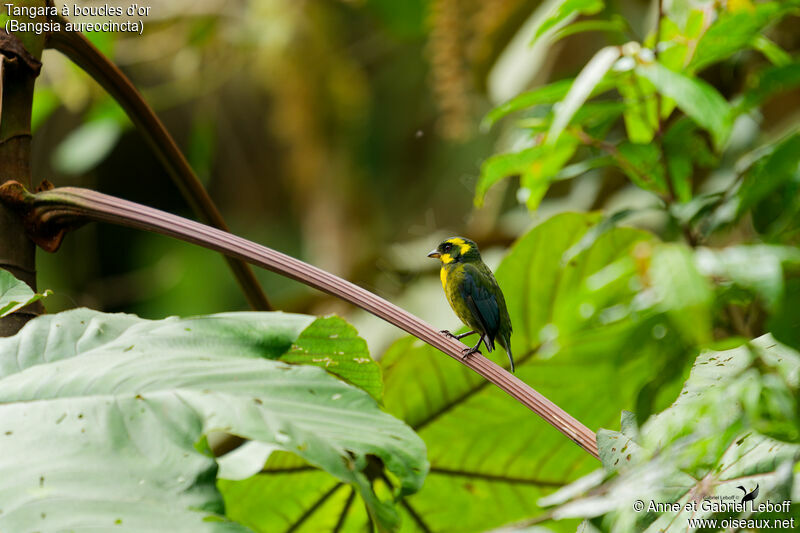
x,y
696,98
702,449
103,418
15,294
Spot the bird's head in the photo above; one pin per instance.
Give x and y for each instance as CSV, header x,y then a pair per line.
x,y
456,250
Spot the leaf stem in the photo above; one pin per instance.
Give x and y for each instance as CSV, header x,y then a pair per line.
x,y
50,213
83,53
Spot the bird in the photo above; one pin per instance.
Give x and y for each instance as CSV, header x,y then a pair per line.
x,y
474,294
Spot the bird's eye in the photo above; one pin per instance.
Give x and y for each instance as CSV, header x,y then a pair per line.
x,y
448,247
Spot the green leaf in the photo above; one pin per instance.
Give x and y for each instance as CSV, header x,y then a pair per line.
x,y
642,164
641,116
110,413
699,100
733,32
615,25
45,103
583,86
547,94
776,55
759,268
703,447
682,292
685,148
564,11
536,167
333,344
780,165
785,322
16,294
87,146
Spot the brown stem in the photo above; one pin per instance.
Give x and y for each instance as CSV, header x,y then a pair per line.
x,y
48,214
20,54
83,53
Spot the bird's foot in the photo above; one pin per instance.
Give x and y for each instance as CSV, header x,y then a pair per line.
x,y
447,334
466,352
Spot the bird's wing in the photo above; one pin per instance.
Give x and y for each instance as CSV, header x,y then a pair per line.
x,y
481,301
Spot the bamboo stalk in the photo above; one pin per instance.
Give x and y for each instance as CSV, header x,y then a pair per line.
x,y
48,214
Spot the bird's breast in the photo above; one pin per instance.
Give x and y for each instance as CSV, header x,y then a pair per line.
x,y
443,277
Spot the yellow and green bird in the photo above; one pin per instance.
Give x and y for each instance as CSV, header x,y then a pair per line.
x,y
474,295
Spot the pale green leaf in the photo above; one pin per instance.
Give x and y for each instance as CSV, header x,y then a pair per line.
x,y
16,294
107,415
703,447
586,82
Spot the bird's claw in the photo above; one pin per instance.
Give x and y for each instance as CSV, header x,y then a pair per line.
x,y
469,351
447,334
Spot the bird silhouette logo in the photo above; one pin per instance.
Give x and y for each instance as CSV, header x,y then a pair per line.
x,y
748,496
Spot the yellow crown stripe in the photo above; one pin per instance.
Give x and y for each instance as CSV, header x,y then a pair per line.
x,y
461,244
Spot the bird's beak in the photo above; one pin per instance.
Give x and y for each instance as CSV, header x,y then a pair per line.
x,y
435,254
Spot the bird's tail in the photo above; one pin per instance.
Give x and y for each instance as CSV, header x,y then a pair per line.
x,y
507,348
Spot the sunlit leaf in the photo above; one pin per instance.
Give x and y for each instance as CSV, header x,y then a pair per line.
x,y
641,118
